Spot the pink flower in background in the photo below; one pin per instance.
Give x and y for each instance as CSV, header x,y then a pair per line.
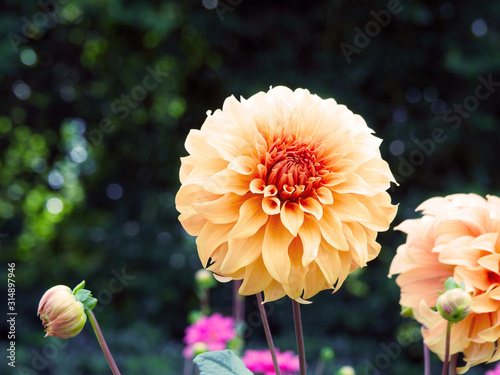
x,y
261,362
495,371
214,331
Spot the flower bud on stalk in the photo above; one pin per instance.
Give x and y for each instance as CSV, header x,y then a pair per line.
x,y
62,310
454,305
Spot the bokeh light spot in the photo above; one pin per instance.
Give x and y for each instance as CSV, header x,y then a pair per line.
x,y
54,205
114,191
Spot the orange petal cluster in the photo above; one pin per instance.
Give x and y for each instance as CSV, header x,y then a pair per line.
x,y
286,191
457,236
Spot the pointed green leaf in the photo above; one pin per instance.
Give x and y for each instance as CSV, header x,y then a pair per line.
x,y
223,362
78,287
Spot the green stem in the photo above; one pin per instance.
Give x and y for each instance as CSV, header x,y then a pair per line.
x,y
102,342
447,350
267,330
300,337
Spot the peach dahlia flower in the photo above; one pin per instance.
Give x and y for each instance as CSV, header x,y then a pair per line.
x,y
457,236
286,191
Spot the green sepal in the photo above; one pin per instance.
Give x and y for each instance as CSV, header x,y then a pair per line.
x,y
78,287
90,303
450,284
85,297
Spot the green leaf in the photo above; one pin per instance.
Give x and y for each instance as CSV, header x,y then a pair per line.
x,y
78,287
223,362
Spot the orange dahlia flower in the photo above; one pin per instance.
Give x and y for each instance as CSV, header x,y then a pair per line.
x,y
457,236
285,191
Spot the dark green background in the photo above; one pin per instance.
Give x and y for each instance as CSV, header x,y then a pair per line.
x,y
91,55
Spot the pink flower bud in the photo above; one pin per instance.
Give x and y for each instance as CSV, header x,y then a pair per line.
x,y
62,315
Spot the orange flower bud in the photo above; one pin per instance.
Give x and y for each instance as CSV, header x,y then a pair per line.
x,y
61,313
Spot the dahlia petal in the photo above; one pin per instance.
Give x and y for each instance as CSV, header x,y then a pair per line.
x,y
229,147
228,181
201,173
314,281
197,146
242,252
257,186
275,250
252,218
292,217
328,261
490,262
192,194
256,278
310,235
224,210
243,165
484,304
193,224
211,237
348,208
381,210
271,205
311,206
325,195
356,237
333,179
461,252
273,291
295,281
354,184
331,229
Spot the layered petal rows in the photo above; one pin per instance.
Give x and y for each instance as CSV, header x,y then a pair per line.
x,y
457,236
286,191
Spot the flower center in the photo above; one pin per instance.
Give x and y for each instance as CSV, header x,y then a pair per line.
x,y
291,166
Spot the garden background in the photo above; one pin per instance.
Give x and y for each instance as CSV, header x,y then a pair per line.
x,y
97,100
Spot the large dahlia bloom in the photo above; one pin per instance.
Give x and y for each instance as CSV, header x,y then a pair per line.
x,y
457,236
286,191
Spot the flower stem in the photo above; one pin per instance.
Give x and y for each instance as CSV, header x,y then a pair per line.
x,y
453,364
447,351
300,337
267,330
102,342
427,360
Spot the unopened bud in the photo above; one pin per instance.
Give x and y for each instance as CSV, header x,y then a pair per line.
x,y
62,310
454,305
346,370
62,315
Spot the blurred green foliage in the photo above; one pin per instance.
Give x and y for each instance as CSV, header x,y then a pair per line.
x,y
98,97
